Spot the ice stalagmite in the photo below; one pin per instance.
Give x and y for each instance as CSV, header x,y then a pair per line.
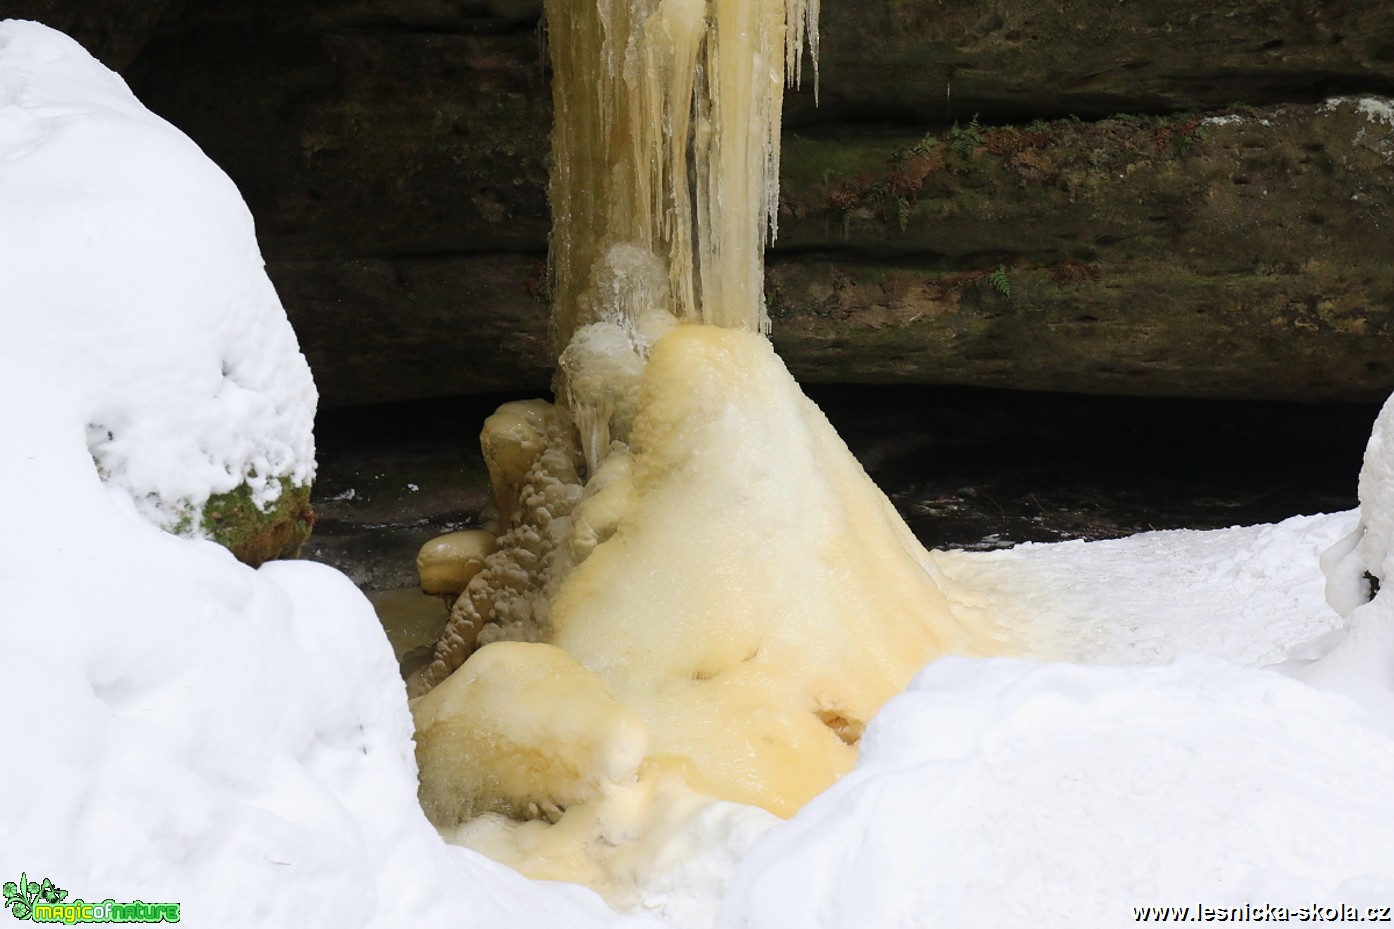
x,y
706,595
664,188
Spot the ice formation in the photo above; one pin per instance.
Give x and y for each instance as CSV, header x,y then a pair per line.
x,y
706,595
666,136
447,563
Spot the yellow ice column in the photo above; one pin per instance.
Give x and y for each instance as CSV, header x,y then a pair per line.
x,y
666,138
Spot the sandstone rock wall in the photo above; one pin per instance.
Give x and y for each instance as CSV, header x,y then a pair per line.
x,y
1005,59
395,157
1243,254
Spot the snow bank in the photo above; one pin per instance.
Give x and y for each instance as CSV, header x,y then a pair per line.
x,y
1370,548
1359,660
180,727
1011,794
999,793
121,237
1248,594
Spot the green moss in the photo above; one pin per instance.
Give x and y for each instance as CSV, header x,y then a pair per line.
x,y
807,164
255,535
184,525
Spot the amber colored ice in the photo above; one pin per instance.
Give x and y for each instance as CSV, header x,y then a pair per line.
x,y
698,593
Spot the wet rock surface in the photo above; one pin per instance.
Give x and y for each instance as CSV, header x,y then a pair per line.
x,y
981,470
968,469
391,478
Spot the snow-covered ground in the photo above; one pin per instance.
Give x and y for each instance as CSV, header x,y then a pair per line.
x,y
179,727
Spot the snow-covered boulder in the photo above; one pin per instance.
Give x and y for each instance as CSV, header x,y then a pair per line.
x,y
1359,563
130,267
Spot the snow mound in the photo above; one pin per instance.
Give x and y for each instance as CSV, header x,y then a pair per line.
x,y
1370,548
119,237
1010,794
1248,594
1358,660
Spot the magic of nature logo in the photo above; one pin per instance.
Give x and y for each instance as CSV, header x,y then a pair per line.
x,y
46,902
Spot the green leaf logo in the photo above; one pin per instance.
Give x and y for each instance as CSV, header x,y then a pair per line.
x,y
20,898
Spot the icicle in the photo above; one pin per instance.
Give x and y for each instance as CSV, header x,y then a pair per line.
x,y
684,158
